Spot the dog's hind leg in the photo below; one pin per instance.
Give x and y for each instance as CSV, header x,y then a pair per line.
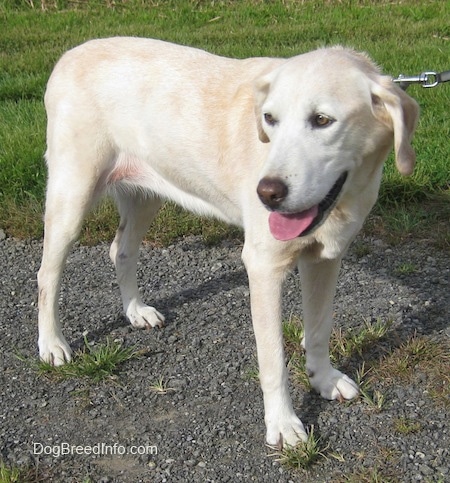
x,y
71,190
137,211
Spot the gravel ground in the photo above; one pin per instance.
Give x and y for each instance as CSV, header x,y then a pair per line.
x,y
210,426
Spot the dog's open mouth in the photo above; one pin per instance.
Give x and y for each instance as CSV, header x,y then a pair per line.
x,y
286,226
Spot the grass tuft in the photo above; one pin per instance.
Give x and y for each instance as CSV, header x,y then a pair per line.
x,y
252,373
356,341
343,345
406,268
10,474
406,426
302,455
293,332
161,386
373,398
420,357
15,474
297,367
369,475
97,363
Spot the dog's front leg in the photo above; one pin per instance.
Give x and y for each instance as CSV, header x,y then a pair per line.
x,y
265,280
318,289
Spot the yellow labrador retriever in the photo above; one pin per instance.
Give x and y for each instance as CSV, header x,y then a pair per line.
x,y
290,149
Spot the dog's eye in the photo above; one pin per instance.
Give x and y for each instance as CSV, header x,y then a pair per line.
x,y
320,120
269,119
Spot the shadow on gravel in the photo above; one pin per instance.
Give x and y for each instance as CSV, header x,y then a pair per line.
x,y
202,291
169,305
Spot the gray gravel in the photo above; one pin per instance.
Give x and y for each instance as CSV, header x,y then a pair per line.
x,y
210,426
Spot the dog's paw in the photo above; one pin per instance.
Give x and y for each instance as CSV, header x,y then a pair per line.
x,y
144,317
287,431
55,350
334,385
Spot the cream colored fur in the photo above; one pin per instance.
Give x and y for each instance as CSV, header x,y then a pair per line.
x,y
149,121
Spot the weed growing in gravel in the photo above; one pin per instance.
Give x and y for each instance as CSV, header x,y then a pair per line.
x,y
302,455
354,341
252,373
360,248
368,475
406,426
406,268
343,345
95,363
372,397
293,336
297,367
423,357
9,475
161,386
13,474
293,331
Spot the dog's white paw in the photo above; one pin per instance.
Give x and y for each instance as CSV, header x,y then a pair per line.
x,y
144,317
334,385
286,431
55,350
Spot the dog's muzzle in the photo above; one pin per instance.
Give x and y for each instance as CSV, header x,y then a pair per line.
x,y
286,226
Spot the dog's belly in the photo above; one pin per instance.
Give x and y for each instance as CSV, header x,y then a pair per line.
x,y
130,173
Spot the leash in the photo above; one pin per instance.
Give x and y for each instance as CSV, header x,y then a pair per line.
x,y
426,79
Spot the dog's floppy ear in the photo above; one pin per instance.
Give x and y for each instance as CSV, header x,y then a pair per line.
x,y
260,90
394,108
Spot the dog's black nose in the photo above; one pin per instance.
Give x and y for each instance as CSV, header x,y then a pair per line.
x,y
272,192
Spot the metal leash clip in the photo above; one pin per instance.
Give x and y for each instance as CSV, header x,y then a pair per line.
x,y
426,79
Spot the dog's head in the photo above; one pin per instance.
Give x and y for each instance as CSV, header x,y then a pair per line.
x,y
330,116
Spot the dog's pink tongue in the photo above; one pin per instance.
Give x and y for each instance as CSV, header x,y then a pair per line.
x,y
288,226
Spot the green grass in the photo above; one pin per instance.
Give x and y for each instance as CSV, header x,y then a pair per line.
x,y
356,341
368,475
403,37
373,398
398,364
385,361
95,363
10,475
15,474
406,426
344,345
419,357
161,386
406,268
303,455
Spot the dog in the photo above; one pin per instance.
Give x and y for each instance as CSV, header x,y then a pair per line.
x,y
292,150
